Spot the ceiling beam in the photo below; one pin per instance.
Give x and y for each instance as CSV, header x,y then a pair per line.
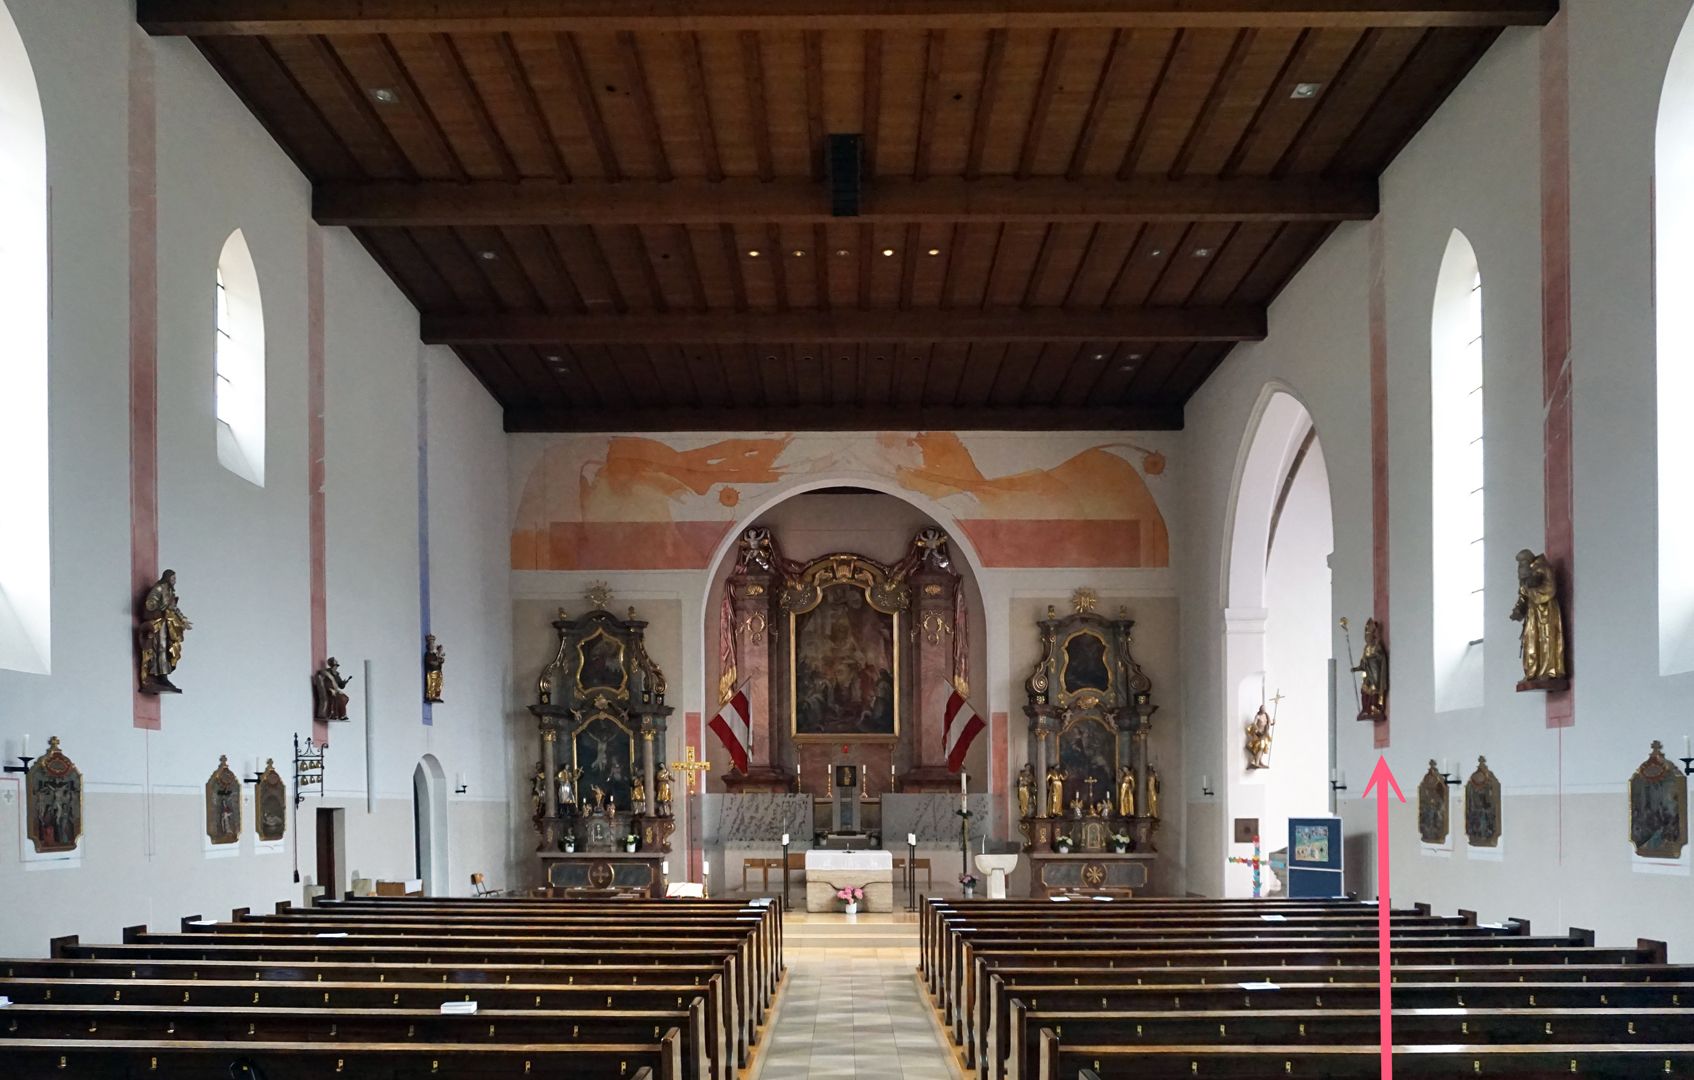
x,y
832,418
949,199
807,327
209,18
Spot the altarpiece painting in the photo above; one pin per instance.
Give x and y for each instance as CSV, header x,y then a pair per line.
x,y
845,668
53,801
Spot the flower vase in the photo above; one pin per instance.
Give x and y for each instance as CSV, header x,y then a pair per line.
x,y
1064,849
970,892
629,848
852,907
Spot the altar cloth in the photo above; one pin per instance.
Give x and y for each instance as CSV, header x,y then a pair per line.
x,y
827,871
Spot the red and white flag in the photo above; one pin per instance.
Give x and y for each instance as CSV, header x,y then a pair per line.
x,y
733,729
959,728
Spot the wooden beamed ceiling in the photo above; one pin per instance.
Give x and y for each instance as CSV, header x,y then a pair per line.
x,y
617,211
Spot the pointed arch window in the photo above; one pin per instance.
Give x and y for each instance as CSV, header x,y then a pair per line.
x,y
1457,476
25,540
239,367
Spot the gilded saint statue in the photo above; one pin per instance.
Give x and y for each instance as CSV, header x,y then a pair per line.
x,y
638,794
538,792
1026,790
1152,792
1126,792
1542,644
434,659
662,791
1372,669
1259,739
329,692
162,626
565,788
1055,791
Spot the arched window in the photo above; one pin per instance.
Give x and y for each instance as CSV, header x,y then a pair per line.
x,y
1673,276
1457,491
240,363
25,546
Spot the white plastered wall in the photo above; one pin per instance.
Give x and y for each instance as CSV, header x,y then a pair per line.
x,y
1476,166
241,551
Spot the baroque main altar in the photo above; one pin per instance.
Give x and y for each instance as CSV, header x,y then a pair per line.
x,y
1088,801
602,796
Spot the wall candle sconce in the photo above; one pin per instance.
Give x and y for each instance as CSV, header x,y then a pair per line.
x,y
460,787
1338,779
26,759
1206,787
1687,758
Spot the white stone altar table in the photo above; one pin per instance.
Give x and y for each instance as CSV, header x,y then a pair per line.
x,y
827,871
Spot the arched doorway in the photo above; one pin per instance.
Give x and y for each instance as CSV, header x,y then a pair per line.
x,y
429,820
1279,642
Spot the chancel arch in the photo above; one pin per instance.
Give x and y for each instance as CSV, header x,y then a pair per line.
x,y
1673,273
1278,635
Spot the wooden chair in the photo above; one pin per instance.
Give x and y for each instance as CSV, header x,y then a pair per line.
x,y
479,885
917,864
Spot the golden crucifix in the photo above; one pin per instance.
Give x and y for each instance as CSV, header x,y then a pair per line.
x,y
689,766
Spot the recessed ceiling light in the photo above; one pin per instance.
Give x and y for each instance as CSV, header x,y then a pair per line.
x,y
888,251
552,358
1135,356
935,251
1202,253
1156,252
842,251
805,359
799,252
753,253
385,95
487,256
1099,356
1127,367
1305,90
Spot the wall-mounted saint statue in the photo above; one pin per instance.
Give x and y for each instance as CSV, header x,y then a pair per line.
x,y
662,790
434,659
329,692
1372,670
161,630
1055,791
1541,644
1026,790
1259,739
1126,792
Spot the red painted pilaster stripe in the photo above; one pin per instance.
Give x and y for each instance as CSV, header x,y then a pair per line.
x,y
1556,332
315,453
143,343
1379,446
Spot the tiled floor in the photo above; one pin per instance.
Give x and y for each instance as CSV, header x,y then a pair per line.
x,y
851,1007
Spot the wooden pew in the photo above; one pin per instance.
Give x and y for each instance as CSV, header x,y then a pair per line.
x,y
112,1059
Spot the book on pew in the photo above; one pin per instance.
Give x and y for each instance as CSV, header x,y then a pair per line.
x,y
1259,986
4,1002
337,933
1274,918
458,1008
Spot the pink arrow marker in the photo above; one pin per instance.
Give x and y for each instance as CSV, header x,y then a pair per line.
x,y
1382,779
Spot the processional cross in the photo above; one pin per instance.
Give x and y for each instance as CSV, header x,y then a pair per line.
x,y
1255,862
689,766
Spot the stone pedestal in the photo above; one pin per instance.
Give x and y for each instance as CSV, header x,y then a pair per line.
x,y
995,868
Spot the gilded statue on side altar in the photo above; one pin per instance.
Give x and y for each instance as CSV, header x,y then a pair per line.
x,y
638,793
1542,643
1126,792
1026,790
567,778
662,791
161,630
1077,809
1055,791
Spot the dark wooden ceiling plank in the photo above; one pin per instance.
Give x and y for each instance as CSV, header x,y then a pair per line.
x,y
1050,372
1109,250
1188,377
1085,371
557,96
448,257
1155,83
981,368
1057,41
1152,324
635,78
587,264
1018,82
821,258
783,57
465,89
810,387
623,106
505,272
1062,254
320,74
568,381
777,261
1014,263
776,376
243,17
687,245
1234,109
939,199
730,246
1236,259
946,369
816,131
876,377
1292,246
758,281
1317,59
1220,89
888,242
926,275
935,49
991,64
1381,57
1109,388
908,266
711,389
974,248
1195,69
950,258
1190,268
843,81
753,79
900,106
1153,372
740,375
832,418
588,105
251,68
841,372
397,253
1105,88
535,250
645,387
1144,264
911,372
1441,60
1138,290
675,375
496,376
597,366
411,121
1053,148
532,373
707,257
871,108
625,262
946,138
662,270
688,50
539,133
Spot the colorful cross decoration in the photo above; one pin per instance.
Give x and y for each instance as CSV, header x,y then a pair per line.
x,y
1255,862
689,766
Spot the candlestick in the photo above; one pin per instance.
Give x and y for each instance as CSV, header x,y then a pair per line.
x,y
1687,746
26,745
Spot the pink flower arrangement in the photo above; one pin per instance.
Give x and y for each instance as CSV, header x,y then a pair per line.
x,y
850,893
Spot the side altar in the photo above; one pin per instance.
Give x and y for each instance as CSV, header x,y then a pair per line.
x,y
602,795
1088,801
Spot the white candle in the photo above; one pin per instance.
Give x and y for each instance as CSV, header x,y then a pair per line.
x,y
252,767
1343,777
665,868
1205,784
705,868
784,839
964,792
26,744
1686,752
459,780
911,839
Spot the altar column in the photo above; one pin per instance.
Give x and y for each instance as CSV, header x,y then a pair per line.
x,y
757,637
932,633
549,797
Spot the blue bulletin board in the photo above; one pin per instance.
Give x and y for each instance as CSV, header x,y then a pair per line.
x,y
1314,858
